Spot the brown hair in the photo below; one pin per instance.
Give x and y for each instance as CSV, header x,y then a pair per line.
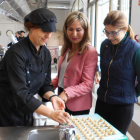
x,y
18,32
72,17
29,25
117,18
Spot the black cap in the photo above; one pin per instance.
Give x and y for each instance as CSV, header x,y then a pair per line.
x,y
22,31
44,18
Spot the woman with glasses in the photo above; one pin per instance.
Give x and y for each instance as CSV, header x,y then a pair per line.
x,y
120,64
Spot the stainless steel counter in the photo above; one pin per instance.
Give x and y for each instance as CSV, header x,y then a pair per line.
x,y
21,133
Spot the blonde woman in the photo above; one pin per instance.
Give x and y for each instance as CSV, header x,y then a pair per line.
x,y
77,65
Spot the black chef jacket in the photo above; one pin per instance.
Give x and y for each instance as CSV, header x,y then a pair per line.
x,y
20,38
23,73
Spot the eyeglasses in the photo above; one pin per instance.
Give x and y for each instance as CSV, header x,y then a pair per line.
x,y
113,34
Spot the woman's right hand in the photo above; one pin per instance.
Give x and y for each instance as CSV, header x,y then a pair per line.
x,y
97,80
57,115
58,103
60,116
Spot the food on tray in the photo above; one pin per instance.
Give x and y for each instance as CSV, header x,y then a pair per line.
x,y
89,128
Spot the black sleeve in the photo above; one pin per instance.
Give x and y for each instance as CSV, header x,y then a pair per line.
x,y
10,44
46,87
15,68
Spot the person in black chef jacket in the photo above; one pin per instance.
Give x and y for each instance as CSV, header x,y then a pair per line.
x,y
25,71
21,35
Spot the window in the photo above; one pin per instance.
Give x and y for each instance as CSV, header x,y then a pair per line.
x,y
75,6
93,23
89,15
102,11
125,7
90,1
114,5
78,5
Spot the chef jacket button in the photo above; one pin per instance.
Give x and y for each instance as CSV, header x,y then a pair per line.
x,y
28,81
27,71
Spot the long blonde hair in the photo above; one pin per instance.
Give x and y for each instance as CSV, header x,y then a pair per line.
x,y
117,18
72,17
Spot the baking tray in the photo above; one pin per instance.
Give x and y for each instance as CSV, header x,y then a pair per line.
x,y
117,136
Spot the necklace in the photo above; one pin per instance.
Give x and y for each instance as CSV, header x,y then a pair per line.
x,y
72,52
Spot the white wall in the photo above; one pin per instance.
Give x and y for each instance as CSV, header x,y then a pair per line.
x,y
56,39
135,17
8,24
61,16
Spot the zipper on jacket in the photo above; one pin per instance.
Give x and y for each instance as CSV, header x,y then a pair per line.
x,y
108,79
109,69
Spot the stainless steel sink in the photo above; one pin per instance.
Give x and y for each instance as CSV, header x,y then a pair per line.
x,y
44,134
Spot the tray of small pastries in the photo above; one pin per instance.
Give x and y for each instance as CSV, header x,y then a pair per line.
x,y
94,127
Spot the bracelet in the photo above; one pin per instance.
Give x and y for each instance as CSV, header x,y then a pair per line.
x,y
51,97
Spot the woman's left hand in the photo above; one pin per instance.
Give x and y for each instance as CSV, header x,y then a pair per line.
x,y
58,104
63,96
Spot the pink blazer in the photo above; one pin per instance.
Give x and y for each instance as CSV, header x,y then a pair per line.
x,y
78,79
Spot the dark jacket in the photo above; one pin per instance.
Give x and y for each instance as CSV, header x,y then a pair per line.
x,y
20,38
117,84
23,73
